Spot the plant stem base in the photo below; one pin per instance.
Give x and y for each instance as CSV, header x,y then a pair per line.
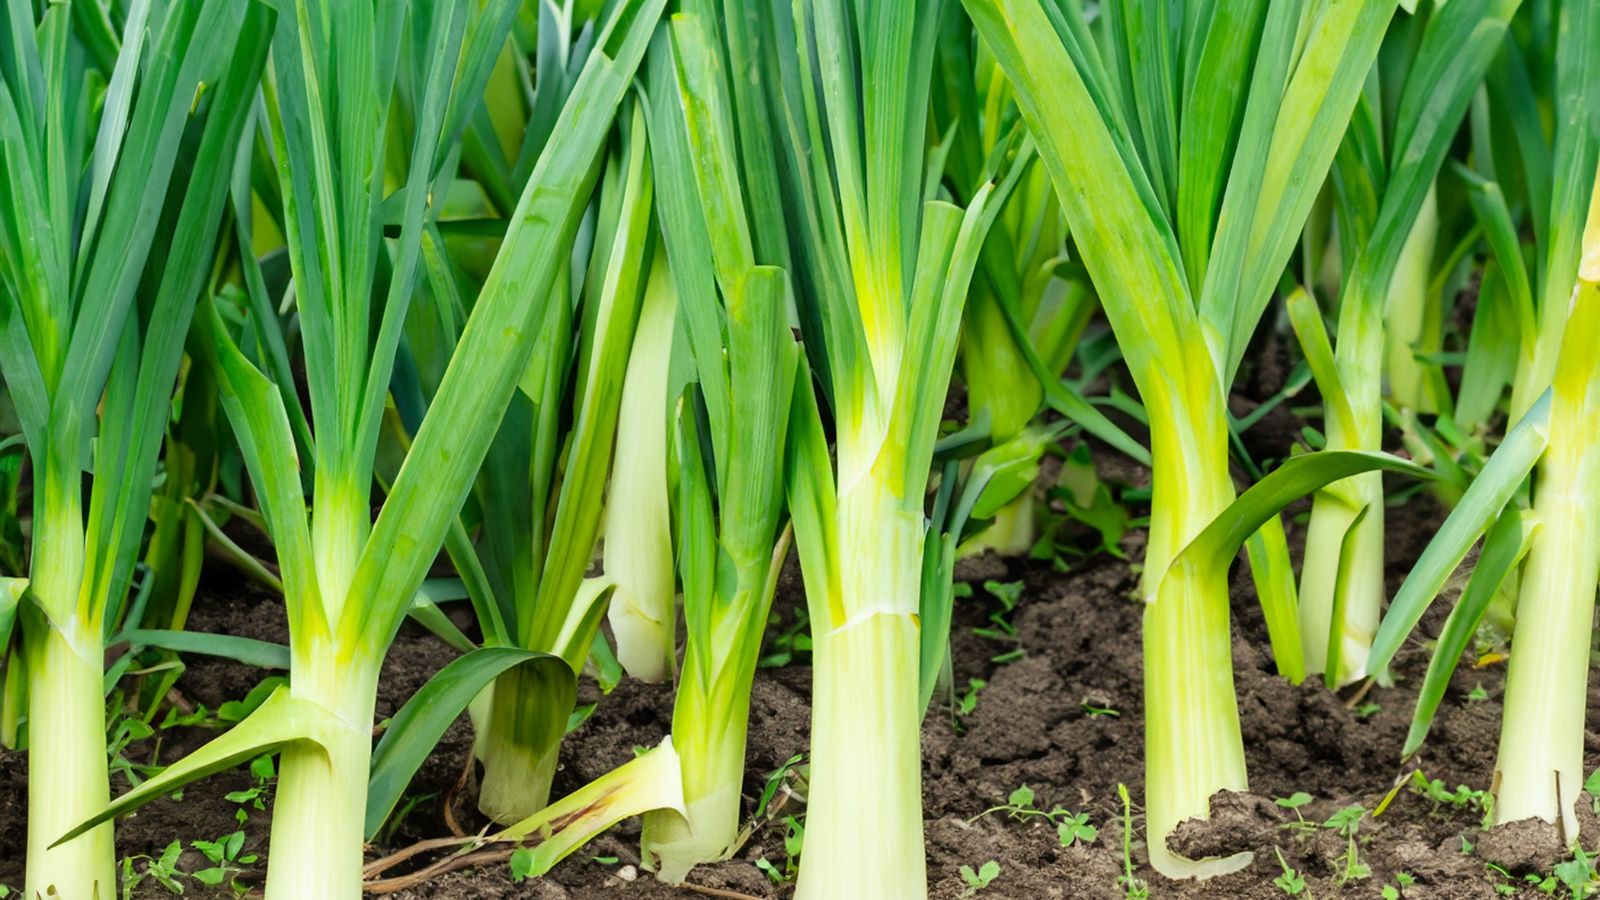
x,y
67,780
864,809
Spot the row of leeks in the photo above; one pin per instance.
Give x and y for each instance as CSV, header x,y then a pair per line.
x,y
322,124
625,295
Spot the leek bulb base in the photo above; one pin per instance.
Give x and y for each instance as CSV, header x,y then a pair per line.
x,y
864,809
67,779
518,752
710,725
707,830
1539,771
1193,745
516,779
319,808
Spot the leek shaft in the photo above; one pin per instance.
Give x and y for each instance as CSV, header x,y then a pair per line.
x,y
1539,772
519,757
67,781
864,809
318,809
1192,736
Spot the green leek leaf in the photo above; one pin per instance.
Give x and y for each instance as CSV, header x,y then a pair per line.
x,y
1494,487
280,720
415,730
1506,542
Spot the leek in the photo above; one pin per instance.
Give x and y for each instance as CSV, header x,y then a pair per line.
x,y
1539,772
730,426
92,319
1184,224
882,268
540,509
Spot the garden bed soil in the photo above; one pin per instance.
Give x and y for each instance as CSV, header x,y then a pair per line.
x,y
1064,719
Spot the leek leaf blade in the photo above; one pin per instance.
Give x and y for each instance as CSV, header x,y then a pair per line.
x,y
282,719
1494,487
1504,546
250,651
415,730
648,782
1294,479
1272,572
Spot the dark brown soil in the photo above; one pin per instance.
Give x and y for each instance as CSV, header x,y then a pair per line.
x,y
1064,720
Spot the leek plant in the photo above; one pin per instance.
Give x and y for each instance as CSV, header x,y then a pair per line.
x,y
724,231
1186,155
1385,182
99,152
1551,547
1543,545
348,580
1539,771
881,268
538,495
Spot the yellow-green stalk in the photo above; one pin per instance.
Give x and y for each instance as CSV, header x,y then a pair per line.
x,y
1539,772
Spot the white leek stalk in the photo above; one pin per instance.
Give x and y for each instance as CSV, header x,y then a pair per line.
x,y
638,537
1193,746
1411,310
1539,771
67,762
